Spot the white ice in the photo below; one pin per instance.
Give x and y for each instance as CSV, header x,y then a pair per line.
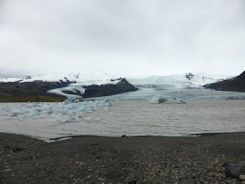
x,y
162,106
85,78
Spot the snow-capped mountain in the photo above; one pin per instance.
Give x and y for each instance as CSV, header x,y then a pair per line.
x,y
177,81
96,88
87,78
95,78
94,84
49,88
231,84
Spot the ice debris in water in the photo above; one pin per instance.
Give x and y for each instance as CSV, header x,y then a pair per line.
x,y
160,99
74,109
71,110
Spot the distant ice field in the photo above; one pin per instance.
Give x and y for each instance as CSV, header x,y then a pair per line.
x,y
153,110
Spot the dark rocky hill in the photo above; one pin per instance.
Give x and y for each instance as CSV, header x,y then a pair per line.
x,y
30,91
233,84
37,91
108,89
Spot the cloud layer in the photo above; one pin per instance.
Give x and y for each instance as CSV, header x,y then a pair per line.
x,y
129,37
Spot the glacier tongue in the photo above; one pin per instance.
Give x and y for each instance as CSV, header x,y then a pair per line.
x,y
177,81
74,87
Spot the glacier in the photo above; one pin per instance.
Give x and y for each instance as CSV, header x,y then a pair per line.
x,y
172,105
174,89
73,109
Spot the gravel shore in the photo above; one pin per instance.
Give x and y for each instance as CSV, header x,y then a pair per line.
x,y
125,160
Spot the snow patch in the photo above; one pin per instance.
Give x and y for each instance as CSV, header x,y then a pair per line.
x,y
85,78
177,81
10,79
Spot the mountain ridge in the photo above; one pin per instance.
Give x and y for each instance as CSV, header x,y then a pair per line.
x,y
47,91
232,84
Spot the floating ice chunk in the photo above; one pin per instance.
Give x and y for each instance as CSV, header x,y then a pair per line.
x,y
161,99
71,110
71,99
106,109
87,119
235,98
15,114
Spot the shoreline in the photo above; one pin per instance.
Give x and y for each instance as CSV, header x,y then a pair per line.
x,y
64,138
142,159
130,136
135,118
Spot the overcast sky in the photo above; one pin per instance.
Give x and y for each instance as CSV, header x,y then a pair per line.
x,y
123,37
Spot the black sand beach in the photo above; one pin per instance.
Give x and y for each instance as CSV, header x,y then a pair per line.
x,y
148,160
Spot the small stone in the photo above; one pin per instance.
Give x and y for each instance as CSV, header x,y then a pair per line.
x,y
7,170
242,177
132,182
232,170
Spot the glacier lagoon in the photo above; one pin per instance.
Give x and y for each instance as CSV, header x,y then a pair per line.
x,y
152,110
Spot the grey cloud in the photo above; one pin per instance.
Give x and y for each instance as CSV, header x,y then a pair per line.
x,y
130,37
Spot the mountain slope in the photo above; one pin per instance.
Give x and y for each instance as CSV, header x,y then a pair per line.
x,y
30,91
232,84
121,86
55,89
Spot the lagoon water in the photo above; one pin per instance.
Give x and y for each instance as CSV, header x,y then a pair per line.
x,y
183,112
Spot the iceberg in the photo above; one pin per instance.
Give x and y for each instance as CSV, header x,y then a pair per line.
x,y
164,100
71,110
